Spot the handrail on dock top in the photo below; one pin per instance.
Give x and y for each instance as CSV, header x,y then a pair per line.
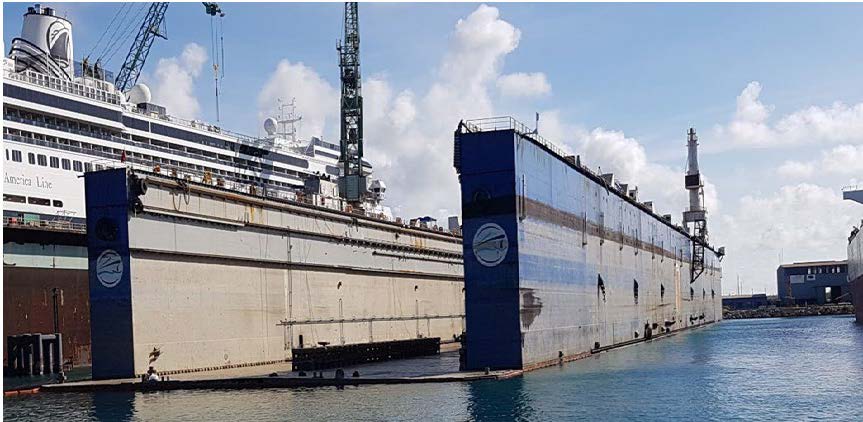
x,y
491,124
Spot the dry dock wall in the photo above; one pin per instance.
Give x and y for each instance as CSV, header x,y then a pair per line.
x,y
558,264
211,278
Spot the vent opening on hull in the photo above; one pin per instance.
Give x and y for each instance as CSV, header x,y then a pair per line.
x,y
661,292
691,293
635,290
600,286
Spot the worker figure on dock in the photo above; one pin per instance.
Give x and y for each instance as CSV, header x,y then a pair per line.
x,y
152,375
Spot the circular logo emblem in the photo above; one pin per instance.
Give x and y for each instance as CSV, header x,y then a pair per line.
x,y
490,244
109,268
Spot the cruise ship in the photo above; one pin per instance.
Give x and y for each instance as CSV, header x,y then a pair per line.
x,y
855,255
63,118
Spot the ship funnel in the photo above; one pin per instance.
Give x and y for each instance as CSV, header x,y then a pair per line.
x,y
45,44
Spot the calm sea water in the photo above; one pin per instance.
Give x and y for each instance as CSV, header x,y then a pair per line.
x,y
772,369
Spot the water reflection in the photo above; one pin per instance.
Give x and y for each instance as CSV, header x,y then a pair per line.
x,y
496,400
811,368
113,406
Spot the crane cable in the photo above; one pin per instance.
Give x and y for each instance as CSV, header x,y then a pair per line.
x,y
218,51
111,51
140,16
112,38
107,28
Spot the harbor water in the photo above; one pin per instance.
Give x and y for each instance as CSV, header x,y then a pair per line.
x,y
807,368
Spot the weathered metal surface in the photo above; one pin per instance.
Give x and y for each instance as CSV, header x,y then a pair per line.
x,y
578,266
217,279
28,306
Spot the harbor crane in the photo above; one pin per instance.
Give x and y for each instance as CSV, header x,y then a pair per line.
x,y
352,183
152,27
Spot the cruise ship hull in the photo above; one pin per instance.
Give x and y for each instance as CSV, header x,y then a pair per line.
x,y
36,277
855,273
559,265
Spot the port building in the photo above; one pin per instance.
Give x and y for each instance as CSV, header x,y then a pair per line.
x,y
750,301
813,283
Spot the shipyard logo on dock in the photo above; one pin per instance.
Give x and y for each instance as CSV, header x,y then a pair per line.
x,y
109,268
490,244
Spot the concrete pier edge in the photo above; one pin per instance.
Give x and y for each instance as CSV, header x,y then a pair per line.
x,y
262,382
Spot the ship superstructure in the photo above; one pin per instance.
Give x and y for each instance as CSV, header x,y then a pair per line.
x,y
58,125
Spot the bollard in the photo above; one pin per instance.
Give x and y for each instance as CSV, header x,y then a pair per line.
x,y
58,352
36,342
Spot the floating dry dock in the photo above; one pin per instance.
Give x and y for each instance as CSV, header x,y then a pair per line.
x,y
185,276
561,262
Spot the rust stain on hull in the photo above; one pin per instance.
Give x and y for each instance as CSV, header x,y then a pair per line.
x,y
28,307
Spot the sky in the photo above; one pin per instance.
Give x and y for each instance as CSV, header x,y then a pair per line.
x,y
773,90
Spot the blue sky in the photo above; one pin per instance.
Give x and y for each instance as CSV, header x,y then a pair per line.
x,y
620,84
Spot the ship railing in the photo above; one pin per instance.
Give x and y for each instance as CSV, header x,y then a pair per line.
x,y
249,140
60,128
113,160
491,124
120,140
62,85
325,144
56,225
852,188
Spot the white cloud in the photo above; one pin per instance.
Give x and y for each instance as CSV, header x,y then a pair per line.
x,y
317,100
174,81
412,155
795,170
524,85
477,47
611,151
801,222
751,125
841,160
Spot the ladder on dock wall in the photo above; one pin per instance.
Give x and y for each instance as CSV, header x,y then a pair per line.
x,y
696,267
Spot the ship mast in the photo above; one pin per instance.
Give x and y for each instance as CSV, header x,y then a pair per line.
x,y
352,182
696,214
